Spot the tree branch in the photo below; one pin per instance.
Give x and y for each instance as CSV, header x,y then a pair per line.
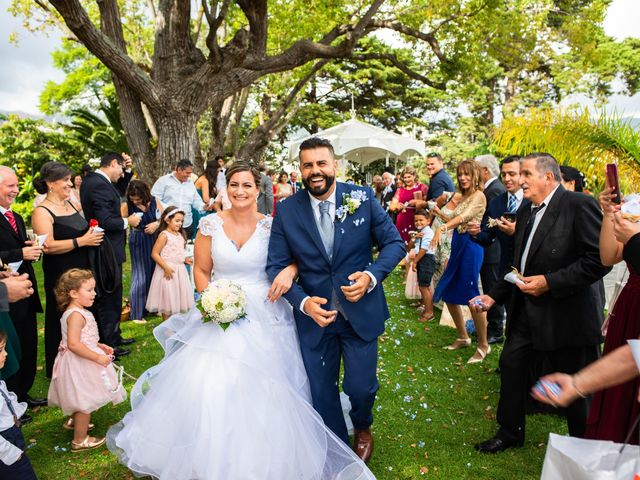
x,y
77,20
400,28
256,13
388,57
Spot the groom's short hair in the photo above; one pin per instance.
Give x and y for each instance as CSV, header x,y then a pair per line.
x,y
316,142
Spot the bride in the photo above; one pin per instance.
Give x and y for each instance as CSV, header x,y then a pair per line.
x,y
232,404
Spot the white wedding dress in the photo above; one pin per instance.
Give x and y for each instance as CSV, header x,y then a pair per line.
x,y
231,404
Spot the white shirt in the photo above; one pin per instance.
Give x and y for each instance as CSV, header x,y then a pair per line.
x,y
4,210
424,243
171,191
100,172
9,453
221,180
315,206
536,222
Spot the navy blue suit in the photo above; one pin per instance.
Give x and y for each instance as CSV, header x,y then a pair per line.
x,y
295,238
496,208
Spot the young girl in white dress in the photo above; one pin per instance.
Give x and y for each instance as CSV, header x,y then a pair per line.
x,y
232,404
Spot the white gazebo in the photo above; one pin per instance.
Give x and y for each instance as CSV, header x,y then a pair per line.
x,y
361,143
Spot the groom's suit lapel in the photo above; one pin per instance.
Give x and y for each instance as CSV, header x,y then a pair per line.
x,y
308,222
338,226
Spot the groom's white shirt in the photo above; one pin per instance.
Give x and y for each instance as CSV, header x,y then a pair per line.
x,y
315,206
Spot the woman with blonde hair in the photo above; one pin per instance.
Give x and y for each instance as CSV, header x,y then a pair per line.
x,y
459,283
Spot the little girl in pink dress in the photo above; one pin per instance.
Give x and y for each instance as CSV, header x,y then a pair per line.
x,y
170,290
83,378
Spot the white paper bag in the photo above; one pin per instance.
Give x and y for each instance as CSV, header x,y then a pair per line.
x,y
570,458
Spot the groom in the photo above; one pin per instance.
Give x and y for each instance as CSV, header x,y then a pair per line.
x,y
329,230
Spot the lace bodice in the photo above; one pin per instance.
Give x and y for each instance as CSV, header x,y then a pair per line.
x,y
89,334
174,250
245,265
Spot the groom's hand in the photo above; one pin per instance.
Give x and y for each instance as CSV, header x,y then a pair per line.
x,y
360,282
322,317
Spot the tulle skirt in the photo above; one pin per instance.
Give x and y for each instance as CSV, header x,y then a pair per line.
x,y
230,404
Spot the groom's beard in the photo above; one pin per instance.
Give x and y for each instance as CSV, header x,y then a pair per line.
x,y
318,191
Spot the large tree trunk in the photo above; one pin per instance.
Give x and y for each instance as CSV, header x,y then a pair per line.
x,y
177,140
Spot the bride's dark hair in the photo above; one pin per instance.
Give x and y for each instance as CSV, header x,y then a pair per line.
x,y
243,166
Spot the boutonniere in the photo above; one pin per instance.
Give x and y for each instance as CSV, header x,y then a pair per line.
x,y
350,203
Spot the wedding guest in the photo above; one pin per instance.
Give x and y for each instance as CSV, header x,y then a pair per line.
x,y
447,203
555,309
83,377
12,343
221,180
14,462
459,283
283,187
572,179
101,202
68,243
142,211
378,186
440,180
614,409
177,189
293,181
206,184
16,247
265,198
76,181
388,193
170,291
405,199
424,262
490,270
506,203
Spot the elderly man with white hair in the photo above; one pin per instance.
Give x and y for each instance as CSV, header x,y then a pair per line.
x,y
490,271
389,191
15,247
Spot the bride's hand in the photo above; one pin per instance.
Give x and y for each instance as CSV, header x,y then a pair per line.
x,y
282,283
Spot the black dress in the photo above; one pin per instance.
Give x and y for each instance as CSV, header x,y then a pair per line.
x,y
65,227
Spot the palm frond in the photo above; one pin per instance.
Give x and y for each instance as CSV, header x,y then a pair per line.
x,y
577,139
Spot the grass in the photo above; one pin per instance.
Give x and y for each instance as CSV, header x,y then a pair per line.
x,y
431,409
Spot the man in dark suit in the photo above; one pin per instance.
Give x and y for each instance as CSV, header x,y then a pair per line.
x,y
15,247
265,198
338,300
555,309
101,202
506,202
293,181
389,191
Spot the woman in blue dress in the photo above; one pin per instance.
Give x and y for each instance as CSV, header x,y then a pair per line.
x,y
142,212
459,283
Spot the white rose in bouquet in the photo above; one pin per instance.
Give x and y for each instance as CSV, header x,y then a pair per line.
x,y
222,302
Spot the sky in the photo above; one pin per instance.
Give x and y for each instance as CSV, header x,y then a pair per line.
x,y
27,66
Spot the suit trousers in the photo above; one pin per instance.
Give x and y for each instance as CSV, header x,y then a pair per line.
x,y
108,308
489,275
360,382
517,357
21,469
23,316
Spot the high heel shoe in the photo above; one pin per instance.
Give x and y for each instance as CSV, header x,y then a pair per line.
x,y
88,443
458,344
68,425
479,356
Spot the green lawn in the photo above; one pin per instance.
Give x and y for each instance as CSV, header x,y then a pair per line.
x,y
431,409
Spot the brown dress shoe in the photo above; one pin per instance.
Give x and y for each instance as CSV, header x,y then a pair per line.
x,y
363,444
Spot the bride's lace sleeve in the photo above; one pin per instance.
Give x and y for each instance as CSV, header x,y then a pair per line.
x,y
208,225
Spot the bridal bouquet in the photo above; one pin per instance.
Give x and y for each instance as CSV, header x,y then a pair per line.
x,y
222,302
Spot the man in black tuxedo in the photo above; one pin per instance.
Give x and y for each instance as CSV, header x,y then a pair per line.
x,y
389,191
490,271
555,310
507,203
15,247
101,202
